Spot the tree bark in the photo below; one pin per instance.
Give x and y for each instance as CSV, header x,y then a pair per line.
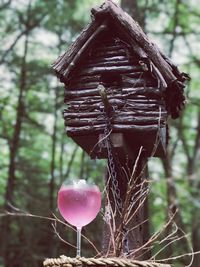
x,y
14,146
62,145
196,195
53,154
193,157
173,208
82,169
69,167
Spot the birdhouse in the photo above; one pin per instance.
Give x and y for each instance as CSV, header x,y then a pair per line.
x,y
118,82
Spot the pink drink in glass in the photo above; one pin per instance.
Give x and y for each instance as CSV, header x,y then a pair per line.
x,y
79,204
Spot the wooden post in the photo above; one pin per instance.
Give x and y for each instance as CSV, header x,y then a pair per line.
x,y
137,230
127,194
140,221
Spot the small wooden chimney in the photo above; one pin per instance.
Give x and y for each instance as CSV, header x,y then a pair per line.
x,y
142,86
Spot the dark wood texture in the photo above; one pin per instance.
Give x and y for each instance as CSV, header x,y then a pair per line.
x,y
138,226
110,18
136,101
96,114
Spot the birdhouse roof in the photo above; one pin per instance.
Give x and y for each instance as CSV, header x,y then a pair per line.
x,y
111,14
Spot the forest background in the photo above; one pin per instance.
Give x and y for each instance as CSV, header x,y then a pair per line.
x,y
35,153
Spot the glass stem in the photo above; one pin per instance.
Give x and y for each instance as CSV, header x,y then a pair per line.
x,y
78,251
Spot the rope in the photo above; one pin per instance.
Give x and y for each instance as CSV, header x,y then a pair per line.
x,y
64,261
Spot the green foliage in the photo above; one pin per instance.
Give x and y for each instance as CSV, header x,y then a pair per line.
x,y
158,196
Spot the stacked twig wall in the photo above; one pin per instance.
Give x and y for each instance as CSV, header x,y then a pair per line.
x,y
132,91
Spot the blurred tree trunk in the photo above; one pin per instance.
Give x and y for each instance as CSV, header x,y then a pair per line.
x,y
136,11
14,146
54,141
196,237
173,206
61,171
51,236
53,154
69,166
172,197
194,176
82,169
193,159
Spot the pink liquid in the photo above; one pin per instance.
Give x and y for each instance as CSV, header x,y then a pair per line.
x,y
79,206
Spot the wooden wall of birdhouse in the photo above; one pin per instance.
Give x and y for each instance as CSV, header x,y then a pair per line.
x,y
138,81
137,100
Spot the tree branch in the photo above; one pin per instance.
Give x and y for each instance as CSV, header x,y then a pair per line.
x,y
29,27
176,20
5,5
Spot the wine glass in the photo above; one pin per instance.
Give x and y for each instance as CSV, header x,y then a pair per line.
x,y
79,203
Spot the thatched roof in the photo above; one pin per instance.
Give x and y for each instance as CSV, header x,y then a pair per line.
x,y
110,13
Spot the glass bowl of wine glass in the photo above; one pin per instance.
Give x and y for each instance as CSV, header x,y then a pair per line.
x,y
79,203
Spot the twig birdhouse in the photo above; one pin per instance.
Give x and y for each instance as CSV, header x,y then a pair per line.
x,y
114,75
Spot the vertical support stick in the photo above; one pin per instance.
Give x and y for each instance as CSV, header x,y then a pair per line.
x,y
78,244
139,224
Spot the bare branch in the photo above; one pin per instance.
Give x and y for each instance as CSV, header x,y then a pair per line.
x,y
5,5
2,60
